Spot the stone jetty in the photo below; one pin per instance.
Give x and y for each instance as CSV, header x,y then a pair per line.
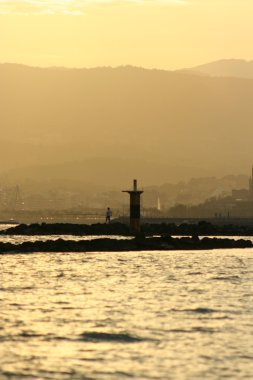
x,y
162,243
202,228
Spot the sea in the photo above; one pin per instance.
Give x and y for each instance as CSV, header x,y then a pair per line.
x,y
172,315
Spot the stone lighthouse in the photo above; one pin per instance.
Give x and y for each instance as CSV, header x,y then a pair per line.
x,y
135,208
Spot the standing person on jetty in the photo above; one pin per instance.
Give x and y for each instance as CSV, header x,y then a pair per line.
x,y
108,215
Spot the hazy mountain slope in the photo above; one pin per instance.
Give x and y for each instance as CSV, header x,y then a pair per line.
x,y
237,68
106,172
172,120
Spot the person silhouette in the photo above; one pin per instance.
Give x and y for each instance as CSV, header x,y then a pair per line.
x,y
108,215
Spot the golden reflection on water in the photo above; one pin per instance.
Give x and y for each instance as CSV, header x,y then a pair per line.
x,y
159,315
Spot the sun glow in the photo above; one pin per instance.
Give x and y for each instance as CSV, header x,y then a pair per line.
x,y
166,34
72,7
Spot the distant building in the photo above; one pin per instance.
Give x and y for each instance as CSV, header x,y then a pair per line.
x,y
244,194
240,195
251,186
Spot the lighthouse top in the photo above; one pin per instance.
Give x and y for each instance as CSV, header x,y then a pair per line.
x,y
135,189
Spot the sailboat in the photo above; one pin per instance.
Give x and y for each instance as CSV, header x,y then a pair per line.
x,y
158,204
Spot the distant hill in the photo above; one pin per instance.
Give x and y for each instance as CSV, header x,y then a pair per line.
x,y
104,172
237,68
107,122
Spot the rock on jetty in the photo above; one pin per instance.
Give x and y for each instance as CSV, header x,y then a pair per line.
x,y
163,243
202,228
67,229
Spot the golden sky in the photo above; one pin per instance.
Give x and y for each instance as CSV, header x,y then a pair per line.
x,y
167,34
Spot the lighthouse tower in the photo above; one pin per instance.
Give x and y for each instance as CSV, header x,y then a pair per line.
x,y
135,208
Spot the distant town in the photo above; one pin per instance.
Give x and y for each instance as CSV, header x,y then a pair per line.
x,y
227,197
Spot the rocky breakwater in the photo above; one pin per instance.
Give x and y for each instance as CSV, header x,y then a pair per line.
x,y
201,229
67,229
162,243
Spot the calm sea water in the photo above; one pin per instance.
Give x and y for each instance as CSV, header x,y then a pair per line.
x,y
153,315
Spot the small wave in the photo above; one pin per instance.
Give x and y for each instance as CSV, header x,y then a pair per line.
x,y
246,357
198,310
209,330
194,330
18,288
227,278
109,337
26,334
204,310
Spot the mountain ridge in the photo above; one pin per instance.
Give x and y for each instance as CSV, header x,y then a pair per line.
x,y
237,68
169,118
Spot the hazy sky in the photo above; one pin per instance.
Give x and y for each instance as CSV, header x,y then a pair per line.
x,y
166,34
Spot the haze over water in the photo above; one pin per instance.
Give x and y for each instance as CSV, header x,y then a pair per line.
x,y
159,315
93,94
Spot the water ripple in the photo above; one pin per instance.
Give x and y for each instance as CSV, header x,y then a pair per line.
x,y
170,315
94,336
